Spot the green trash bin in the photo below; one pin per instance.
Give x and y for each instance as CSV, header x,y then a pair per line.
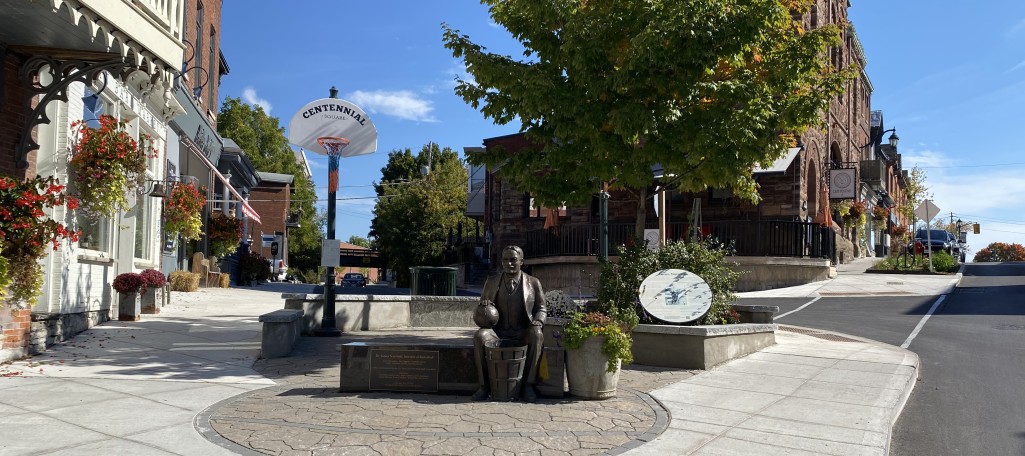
x,y
432,281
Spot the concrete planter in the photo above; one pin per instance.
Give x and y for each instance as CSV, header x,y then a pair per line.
x,y
687,347
150,304
586,370
698,347
129,307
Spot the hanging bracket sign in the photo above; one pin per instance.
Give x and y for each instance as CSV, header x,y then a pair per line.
x,y
675,296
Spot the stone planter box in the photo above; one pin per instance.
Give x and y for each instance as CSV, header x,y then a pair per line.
x,y
129,307
698,347
150,304
687,347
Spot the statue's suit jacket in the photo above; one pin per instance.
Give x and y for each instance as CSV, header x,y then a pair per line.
x,y
533,295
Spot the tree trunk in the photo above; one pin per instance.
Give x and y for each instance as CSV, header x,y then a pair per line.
x,y
641,212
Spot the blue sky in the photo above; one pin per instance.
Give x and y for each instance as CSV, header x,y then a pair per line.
x,y
948,76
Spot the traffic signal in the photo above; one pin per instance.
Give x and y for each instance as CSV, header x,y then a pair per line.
x,y
975,228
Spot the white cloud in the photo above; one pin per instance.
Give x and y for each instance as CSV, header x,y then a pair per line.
x,y
1016,67
494,24
925,159
1014,29
249,96
458,71
993,196
403,104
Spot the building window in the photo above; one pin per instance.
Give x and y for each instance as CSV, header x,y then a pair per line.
x,y
214,71
535,210
95,228
197,85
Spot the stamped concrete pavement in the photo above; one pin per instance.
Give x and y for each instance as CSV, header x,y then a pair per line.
x,y
183,382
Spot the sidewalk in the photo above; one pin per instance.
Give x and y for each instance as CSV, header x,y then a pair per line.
x,y
184,382
852,280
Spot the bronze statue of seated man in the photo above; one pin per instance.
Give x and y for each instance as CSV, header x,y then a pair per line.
x,y
520,302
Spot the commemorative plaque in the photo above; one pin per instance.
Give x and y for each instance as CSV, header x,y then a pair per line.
x,y
404,370
675,296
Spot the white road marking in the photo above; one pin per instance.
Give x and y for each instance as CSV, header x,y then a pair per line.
x,y
922,322
799,308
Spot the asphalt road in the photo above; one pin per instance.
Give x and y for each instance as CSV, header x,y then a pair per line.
x,y
970,399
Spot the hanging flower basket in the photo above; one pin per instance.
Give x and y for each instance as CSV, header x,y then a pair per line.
x,y
880,213
224,233
108,165
26,232
182,211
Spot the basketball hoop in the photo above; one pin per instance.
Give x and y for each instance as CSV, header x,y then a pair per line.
x,y
333,144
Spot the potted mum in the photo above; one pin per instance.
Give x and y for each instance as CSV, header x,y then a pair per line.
x,y
182,211
153,281
108,165
128,285
597,344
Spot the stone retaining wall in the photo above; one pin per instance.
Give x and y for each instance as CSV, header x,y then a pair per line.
x,y
52,328
372,312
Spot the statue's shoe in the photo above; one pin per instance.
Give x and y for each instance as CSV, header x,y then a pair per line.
x,y
480,395
529,394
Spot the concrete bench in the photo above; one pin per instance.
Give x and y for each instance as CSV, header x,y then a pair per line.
x,y
428,367
281,330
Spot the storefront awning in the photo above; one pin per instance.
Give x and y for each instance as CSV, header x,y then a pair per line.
x,y
246,208
780,165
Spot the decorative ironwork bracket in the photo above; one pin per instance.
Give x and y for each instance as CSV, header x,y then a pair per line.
x,y
63,73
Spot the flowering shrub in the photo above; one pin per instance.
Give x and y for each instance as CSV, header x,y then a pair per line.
x,y
1001,251
129,282
108,164
182,211
153,278
26,231
559,304
899,231
254,267
224,233
584,325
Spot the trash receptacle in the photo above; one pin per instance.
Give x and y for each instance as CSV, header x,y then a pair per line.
x,y
432,281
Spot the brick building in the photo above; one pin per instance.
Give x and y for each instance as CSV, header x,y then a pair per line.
x,y
795,191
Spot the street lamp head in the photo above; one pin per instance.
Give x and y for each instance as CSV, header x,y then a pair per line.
x,y
893,139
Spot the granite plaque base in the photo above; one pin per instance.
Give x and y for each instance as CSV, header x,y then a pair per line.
x,y
455,373
428,368
404,370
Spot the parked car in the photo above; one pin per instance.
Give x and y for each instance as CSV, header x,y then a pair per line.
x,y
937,240
354,279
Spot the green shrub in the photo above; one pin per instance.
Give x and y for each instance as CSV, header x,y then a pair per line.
x,y
617,289
944,262
184,281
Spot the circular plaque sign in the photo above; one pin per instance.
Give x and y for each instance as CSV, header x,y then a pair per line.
x,y
675,296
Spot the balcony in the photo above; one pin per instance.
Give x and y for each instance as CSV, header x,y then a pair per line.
x,y
873,173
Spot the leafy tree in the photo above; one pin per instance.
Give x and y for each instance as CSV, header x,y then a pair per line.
x,y
414,213
360,241
263,139
914,193
704,88
999,251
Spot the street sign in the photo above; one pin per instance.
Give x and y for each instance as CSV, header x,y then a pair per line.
x,y
266,239
927,211
329,253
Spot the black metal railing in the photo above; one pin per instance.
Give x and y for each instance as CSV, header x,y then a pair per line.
x,y
748,238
